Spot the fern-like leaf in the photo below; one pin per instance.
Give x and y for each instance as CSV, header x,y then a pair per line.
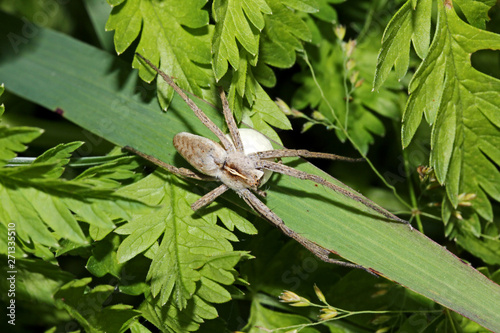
x,y
13,140
36,198
93,316
236,20
476,11
174,35
462,105
325,91
411,24
194,256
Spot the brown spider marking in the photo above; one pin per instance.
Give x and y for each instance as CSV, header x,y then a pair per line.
x,y
227,163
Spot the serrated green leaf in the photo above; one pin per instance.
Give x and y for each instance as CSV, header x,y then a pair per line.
x,y
268,111
126,21
36,281
230,219
165,40
40,279
137,327
85,305
103,259
407,25
168,318
260,316
235,21
34,199
188,243
282,36
465,117
13,140
109,174
308,6
486,248
212,292
476,11
325,11
220,268
328,65
58,157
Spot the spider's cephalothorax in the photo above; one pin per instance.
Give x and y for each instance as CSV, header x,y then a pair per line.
x,y
235,169
242,170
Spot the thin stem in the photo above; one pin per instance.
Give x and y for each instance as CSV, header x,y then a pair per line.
x,y
412,213
306,59
76,162
411,189
368,20
347,93
346,313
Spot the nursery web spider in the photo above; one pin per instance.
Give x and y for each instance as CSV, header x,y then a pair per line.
x,y
242,172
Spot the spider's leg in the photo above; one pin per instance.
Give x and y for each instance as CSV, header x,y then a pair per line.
x,y
197,111
231,123
209,197
183,172
260,192
302,153
269,215
286,170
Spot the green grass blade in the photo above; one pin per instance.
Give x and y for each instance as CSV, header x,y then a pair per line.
x,y
99,92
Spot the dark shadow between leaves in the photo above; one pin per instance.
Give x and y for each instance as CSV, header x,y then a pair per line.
x,y
17,38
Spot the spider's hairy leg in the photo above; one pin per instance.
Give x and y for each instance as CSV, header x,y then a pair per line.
x,y
183,172
231,123
286,170
260,192
269,215
197,111
209,197
277,153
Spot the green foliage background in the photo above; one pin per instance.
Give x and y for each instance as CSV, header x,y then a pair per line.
x,y
110,235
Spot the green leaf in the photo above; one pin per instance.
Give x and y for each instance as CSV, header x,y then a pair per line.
x,y
188,243
327,62
170,319
327,218
36,281
235,21
37,203
86,306
261,316
13,139
325,11
173,34
308,6
103,259
36,198
407,25
462,105
231,219
58,157
282,36
109,174
476,11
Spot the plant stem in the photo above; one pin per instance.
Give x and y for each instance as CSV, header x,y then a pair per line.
x,y
306,59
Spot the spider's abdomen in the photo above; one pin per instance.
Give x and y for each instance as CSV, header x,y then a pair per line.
x,y
203,154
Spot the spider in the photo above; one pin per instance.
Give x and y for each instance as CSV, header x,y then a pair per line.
x,y
244,173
